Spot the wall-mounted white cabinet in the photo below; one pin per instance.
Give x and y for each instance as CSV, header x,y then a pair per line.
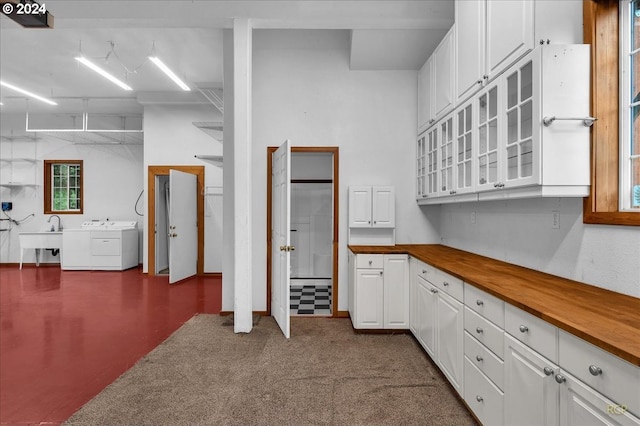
x,y
521,136
372,217
436,83
492,34
379,291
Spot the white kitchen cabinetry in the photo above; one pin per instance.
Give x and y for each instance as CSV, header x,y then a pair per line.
x,y
553,377
379,291
538,147
439,320
436,83
372,217
112,250
484,355
371,207
491,35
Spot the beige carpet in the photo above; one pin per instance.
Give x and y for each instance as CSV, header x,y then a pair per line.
x,y
324,375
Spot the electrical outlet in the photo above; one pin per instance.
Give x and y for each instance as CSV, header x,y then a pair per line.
x,y
555,219
473,218
7,206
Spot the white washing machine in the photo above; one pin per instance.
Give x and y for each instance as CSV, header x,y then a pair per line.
x,y
101,245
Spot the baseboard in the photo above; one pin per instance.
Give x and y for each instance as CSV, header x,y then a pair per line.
x,y
342,314
261,313
30,264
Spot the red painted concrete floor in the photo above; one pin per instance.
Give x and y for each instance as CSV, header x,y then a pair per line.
x,y
66,335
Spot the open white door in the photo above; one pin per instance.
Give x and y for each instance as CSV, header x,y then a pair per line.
x,y
183,225
281,236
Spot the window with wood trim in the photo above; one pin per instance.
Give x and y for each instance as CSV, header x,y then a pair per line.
x,y
63,186
602,31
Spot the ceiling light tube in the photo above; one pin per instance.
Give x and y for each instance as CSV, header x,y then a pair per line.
x,y
27,93
84,61
169,73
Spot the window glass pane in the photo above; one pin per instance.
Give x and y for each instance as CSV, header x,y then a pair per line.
x,y
526,80
635,183
65,187
635,25
512,90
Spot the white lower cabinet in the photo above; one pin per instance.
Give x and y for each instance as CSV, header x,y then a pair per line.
x,y
440,327
531,392
484,398
539,391
581,405
379,291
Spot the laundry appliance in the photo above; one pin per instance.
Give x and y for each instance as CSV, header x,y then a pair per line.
x,y
101,245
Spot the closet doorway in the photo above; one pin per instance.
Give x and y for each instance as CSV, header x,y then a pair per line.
x,y
314,231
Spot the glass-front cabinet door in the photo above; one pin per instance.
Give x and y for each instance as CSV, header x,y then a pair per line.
x,y
432,161
447,186
421,167
464,149
488,125
522,164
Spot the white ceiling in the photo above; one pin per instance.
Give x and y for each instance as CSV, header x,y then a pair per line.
x,y
385,34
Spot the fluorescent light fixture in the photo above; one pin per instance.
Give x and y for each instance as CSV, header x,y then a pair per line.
x,y
168,72
84,61
27,93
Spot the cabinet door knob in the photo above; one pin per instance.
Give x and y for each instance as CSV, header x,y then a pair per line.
x,y
595,370
479,398
424,271
381,272
479,302
560,378
479,358
370,262
547,371
434,291
479,330
446,284
523,329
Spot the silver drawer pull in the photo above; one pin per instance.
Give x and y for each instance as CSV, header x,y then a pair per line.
x,y
424,271
446,284
595,370
479,358
479,330
524,328
548,371
479,302
370,262
434,291
560,378
479,398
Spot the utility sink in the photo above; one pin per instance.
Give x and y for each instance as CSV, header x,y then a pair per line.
x,y
39,240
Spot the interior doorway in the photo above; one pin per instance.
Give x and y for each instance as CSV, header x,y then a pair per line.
x,y
157,181
314,231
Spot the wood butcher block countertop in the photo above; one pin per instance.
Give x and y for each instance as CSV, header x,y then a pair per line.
x,y
602,317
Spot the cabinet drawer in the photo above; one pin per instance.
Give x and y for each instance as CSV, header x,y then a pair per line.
x,y
616,379
427,272
482,396
372,261
484,359
486,332
534,332
485,304
450,284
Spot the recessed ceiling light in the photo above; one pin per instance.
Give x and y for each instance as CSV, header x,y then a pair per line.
x,y
165,69
27,93
84,61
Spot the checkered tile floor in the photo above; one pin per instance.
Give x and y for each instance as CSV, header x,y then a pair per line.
x,y
310,299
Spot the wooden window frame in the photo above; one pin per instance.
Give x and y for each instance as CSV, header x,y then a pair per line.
x,y
48,165
601,31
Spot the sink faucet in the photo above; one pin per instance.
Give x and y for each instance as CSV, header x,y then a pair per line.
x,y
59,222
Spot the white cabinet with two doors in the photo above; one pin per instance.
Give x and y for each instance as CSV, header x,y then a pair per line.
x,y
372,215
437,318
379,291
523,135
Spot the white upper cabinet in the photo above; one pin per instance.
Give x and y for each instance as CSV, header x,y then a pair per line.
x,y
372,207
509,33
543,141
470,47
436,83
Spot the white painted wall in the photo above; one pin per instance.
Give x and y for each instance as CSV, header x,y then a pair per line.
x,y
303,90
170,138
520,232
112,183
